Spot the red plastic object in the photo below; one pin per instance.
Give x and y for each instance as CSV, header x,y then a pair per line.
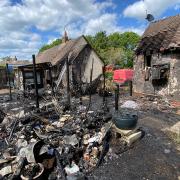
x,y
123,75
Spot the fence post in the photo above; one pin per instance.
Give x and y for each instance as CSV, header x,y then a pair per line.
x,y
7,70
117,97
35,81
130,88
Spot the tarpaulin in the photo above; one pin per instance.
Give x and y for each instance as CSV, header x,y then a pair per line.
x,y
123,75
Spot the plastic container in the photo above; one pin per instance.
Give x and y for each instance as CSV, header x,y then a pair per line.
x,y
125,120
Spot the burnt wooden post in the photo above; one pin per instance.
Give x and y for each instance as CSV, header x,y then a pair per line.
x,y
130,88
104,83
51,79
68,85
8,77
90,85
116,97
24,81
35,81
80,86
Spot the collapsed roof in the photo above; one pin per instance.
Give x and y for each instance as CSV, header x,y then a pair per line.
x,y
58,53
161,35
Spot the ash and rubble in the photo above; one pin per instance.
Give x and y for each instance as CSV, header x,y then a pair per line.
x,y
56,142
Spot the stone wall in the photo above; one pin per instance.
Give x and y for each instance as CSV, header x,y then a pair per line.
x,y
172,89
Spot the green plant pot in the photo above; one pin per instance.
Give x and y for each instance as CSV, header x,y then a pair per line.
x,y
125,120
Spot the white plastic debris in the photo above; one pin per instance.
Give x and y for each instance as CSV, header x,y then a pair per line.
x,y
72,170
6,170
21,143
55,123
21,114
96,138
60,124
130,105
71,140
167,151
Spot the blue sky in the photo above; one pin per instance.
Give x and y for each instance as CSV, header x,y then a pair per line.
x,y
25,25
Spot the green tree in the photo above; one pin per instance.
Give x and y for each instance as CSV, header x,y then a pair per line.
x,y
129,40
48,46
114,40
100,40
90,40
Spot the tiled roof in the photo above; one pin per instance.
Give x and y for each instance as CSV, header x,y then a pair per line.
x,y
161,35
58,53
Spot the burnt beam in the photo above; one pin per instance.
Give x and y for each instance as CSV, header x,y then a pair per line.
x,y
130,88
35,81
117,97
68,83
9,81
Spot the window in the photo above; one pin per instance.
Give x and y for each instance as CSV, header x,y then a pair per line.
x,y
147,61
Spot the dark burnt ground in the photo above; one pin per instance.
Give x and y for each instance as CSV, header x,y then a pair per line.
x,y
154,157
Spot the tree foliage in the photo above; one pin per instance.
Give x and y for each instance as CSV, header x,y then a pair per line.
x,y
48,46
117,48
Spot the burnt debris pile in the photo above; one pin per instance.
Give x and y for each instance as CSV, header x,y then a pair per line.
x,y
58,142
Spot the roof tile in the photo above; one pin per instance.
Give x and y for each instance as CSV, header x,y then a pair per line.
x,y
160,34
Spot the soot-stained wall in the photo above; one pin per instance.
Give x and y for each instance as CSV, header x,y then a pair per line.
x,y
142,84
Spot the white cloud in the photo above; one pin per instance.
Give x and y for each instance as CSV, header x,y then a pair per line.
x,y
108,23
155,7
177,7
80,16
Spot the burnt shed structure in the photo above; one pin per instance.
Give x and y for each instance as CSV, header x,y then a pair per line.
x,y
80,56
157,61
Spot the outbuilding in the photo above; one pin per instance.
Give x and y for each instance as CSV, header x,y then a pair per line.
x,y
157,61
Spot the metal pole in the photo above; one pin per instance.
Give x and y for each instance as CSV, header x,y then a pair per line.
x,y
35,81
116,97
7,70
130,88
68,86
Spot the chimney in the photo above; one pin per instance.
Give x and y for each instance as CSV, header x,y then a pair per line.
x,y
65,38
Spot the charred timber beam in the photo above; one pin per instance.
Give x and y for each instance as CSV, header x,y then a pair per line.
x,y
116,97
104,83
130,88
68,81
24,81
90,84
59,165
51,79
9,81
80,86
35,81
